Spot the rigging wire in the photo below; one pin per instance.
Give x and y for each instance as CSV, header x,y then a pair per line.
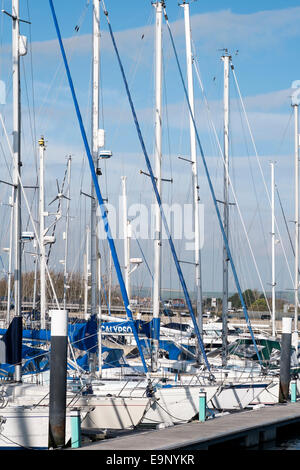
x,y
132,77
231,185
41,113
262,174
58,211
257,209
187,297
213,195
97,188
33,142
28,208
31,71
286,224
168,144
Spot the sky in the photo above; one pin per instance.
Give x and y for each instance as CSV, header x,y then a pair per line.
x,y
262,38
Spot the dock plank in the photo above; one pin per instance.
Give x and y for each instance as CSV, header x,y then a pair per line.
x,y
197,433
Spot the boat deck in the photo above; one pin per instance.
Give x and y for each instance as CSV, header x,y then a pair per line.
x,y
252,426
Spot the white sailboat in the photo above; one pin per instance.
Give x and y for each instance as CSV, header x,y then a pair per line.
x,y
21,426
105,411
187,399
30,403
123,404
27,428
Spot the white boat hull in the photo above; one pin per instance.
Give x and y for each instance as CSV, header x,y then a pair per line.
x,y
175,405
269,396
237,396
172,404
26,427
114,412
97,411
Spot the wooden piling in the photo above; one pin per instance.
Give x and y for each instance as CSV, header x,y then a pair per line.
x,y
285,360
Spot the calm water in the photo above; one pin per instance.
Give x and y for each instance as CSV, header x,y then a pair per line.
x,y
289,444
293,444
290,441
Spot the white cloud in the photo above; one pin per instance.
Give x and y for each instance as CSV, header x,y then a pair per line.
x,y
216,29
256,30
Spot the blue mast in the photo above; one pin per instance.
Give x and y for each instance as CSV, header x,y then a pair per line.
x,y
157,195
97,189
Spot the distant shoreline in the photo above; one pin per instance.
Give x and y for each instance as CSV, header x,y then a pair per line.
x,y
166,294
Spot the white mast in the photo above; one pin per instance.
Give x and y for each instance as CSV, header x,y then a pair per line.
x,y
157,172
99,319
36,256
295,104
226,60
17,166
95,146
86,273
66,235
42,235
273,250
10,260
193,148
109,281
126,239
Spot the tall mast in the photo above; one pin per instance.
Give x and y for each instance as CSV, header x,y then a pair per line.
x,y
295,105
157,173
10,260
95,146
126,239
66,235
109,281
42,235
86,273
273,250
226,60
99,319
193,147
17,166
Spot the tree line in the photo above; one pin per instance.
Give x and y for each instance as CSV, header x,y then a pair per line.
x,y
74,292
254,300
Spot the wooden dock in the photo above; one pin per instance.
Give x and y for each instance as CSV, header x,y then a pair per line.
x,y
247,427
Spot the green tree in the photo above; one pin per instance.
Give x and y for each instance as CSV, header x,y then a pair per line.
x,y
259,305
249,297
235,301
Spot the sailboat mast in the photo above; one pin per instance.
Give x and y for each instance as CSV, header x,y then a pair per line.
x,y
157,173
109,281
273,250
226,61
296,124
10,260
126,239
42,234
66,285
17,166
99,319
94,146
193,147
86,273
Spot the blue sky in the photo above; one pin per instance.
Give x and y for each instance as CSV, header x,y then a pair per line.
x,y
266,35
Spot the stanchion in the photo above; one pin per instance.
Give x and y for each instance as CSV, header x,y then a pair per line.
x,y
202,406
285,360
58,378
293,390
75,429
